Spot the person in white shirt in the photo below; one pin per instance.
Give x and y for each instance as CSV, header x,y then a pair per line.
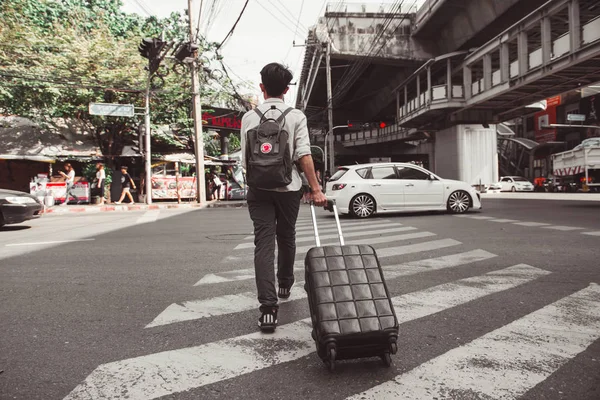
x,y
216,189
100,181
274,211
70,180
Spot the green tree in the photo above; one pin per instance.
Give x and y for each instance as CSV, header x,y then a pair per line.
x,y
58,56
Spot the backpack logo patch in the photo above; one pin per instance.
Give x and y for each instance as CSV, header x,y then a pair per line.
x,y
266,148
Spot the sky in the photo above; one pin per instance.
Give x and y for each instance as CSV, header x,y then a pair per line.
x,y
265,33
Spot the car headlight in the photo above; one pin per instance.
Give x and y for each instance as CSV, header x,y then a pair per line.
x,y
20,200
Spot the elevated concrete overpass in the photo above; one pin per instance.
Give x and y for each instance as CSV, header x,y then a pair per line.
x,y
499,60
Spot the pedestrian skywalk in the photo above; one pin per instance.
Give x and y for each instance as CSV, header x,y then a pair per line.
x,y
503,363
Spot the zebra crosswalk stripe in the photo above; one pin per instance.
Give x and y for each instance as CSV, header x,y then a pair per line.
x,y
174,371
310,231
507,362
229,304
356,232
248,273
390,271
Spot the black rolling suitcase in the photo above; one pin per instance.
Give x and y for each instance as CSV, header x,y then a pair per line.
x,y
351,311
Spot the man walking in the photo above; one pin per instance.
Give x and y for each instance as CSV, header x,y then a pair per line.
x,y
275,144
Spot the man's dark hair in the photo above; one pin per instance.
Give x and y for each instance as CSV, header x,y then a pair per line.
x,y
275,78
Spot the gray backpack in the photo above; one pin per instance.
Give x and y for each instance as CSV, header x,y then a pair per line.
x,y
269,162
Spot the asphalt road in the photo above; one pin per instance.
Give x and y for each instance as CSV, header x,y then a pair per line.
x,y
495,304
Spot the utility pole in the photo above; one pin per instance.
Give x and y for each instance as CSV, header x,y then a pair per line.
x,y
329,110
148,152
199,140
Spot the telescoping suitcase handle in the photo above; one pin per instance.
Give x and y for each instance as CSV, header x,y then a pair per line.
x,y
337,221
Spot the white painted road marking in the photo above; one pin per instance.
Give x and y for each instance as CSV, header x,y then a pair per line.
x,y
215,306
310,231
530,224
324,224
507,362
597,233
229,304
479,217
162,374
149,216
309,236
442,297
51,242
562,228
437,263
501,220
333,240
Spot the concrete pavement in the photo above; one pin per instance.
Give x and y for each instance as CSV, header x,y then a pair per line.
x,y
166,308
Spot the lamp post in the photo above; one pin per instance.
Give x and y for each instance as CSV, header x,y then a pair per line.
x,y
328,168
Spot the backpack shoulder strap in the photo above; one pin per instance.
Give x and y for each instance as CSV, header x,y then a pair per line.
x,y
260,114
283,114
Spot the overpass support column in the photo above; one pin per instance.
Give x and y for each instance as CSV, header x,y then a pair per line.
x,y
467,82
574,25
429,95
467,153
487,72
504,63
419,91
449,79
546,26
405,99
523,53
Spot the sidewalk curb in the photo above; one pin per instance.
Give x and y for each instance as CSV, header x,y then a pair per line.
x,y
541,196
94,209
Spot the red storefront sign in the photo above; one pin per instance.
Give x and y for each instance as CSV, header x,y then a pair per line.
x,y
228,121
543,120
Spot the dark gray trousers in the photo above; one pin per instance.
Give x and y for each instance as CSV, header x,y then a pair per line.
x,y
274,215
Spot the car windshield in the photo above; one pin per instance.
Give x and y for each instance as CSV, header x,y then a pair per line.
x,y
340,172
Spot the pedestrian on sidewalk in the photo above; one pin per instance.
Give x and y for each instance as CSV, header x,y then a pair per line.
x,y
100,181
216,189
70,180
275,142
126,185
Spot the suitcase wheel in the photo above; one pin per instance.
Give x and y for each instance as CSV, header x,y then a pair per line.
x,y
387,359
330,359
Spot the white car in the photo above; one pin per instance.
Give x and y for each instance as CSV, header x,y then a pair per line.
x,y
515,184
365,189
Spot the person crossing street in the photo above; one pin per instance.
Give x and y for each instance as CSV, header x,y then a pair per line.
x,y
275,145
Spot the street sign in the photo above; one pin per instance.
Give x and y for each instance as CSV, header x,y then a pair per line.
x,y
113,110
576,117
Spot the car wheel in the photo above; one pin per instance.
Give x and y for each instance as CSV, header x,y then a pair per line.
x,y
459,202
514,189
362,206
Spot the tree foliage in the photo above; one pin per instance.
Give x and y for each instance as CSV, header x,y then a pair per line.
x,y
58,56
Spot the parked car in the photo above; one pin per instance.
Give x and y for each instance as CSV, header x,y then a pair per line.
x,y
515,184
17,207
365,189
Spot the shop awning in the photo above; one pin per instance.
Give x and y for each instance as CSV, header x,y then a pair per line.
x,y
27,158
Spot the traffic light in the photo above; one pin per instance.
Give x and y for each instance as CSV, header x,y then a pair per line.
x,y
382,125
185,51
138,141
151,49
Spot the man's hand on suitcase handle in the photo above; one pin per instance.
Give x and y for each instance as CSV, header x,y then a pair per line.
x,y
318,198
316,194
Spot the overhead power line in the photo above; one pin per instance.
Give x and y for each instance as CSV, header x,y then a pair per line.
x,y
234,25
290,16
